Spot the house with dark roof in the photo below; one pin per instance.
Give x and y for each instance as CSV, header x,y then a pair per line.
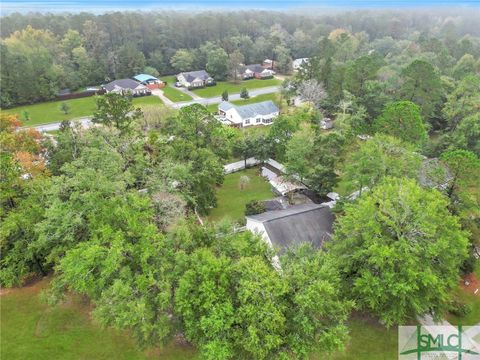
x,y
256,71
149,81
261,113
195,79
126,86
298,224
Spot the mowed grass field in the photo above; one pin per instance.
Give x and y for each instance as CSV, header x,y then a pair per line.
x,y
171,92
259,98
231,200
235,88
32,330
49,112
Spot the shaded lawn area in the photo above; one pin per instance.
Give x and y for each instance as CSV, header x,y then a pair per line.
x,y
466,295
369,340
49,112
173,93
259,98
235,88
32,330
231,200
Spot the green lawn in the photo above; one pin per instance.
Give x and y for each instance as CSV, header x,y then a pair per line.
x,y
48,112
32,330
231,200
233,88
368,341
171,92
264,97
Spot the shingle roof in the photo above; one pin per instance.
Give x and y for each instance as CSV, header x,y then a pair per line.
x,y
192,75
307,223
144,77
252,110
256,68
122,83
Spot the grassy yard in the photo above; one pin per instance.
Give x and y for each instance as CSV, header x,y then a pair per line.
x,y
368,341
171,92
232,200
264,97
234,88
48,112
32,330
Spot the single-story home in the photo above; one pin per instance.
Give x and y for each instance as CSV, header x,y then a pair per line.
x,y
149,81
195,79
255,71
281,229
297,64
261,113
127,86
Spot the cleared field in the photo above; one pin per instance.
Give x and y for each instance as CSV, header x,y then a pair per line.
x,y
49,112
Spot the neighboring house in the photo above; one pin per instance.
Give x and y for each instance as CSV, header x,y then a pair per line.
x,y
126,86
195,79
281,229
261,113
326,123
297,64
268,64
149,81
256,71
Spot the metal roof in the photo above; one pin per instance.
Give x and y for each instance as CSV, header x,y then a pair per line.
x,y
144,77
251,110
307,223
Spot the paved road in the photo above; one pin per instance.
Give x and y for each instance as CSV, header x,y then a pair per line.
x,y
86,121
218,99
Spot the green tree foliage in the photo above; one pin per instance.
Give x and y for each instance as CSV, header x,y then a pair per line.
x,y
234,303
255,207
217,64
398,251
463,101
359,72
422,85
244,93
377,158
402,119
116,110
182,60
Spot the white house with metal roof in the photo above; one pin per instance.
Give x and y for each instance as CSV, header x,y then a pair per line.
x,y
261,113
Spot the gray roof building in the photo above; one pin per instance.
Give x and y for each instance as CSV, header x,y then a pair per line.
x,y
251,110
126,84
306,223
192,75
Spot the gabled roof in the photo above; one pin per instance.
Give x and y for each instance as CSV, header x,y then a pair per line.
x,y
256,68
144,77
261,108
122,83
192,75
251,110
307,223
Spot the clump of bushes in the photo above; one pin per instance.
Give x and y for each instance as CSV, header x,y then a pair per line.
x,y
254,207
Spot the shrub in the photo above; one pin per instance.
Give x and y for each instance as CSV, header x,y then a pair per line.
x,y
254,207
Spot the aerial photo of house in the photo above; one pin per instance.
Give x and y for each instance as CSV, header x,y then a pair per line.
x,y
195,79
126,86
261,113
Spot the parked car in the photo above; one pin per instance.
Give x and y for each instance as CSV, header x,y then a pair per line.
x,y
178,84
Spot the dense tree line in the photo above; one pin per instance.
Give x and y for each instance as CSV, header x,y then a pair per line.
x,y
51,52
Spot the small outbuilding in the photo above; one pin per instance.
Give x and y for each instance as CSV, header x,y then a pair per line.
x,y
149,81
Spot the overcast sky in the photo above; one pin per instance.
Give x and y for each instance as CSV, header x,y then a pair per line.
x,y
97,6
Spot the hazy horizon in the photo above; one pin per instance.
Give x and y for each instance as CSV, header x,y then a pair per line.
x,y
101,6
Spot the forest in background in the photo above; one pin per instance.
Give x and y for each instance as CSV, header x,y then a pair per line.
x,y
43,53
